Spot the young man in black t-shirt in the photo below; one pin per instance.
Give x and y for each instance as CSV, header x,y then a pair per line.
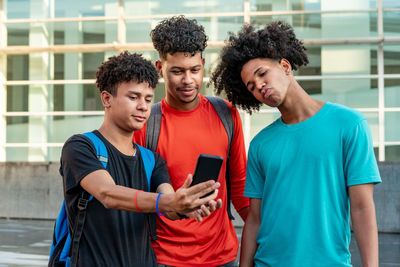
x,y
116,232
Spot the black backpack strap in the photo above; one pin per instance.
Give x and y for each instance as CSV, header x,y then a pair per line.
x,y
78,227
153,127
225,115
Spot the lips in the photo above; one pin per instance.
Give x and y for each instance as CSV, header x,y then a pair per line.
x,y
187,91
266,92
139,118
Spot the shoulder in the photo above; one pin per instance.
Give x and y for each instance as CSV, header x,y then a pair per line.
x,y
346,116
77,140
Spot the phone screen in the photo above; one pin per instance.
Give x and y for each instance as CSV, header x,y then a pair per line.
x,y
207,168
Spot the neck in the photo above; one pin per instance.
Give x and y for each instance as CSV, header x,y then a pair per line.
x,y
298,105
182,106
119,138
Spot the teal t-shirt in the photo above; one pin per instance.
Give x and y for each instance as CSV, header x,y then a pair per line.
x,y
301,172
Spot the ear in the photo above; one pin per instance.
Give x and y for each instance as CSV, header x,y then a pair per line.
x,y
203,61
285,64
159,67
106,99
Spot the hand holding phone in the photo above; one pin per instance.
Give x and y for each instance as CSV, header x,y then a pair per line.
x,y
207,168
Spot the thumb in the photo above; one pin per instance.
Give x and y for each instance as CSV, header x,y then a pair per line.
x,y
187,182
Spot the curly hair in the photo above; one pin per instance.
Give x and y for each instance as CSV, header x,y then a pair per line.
x,y
125,67
178,34
276,41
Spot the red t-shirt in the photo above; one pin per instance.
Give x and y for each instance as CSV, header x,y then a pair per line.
x,y
183,136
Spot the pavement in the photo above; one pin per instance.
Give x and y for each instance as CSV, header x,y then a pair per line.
x,y
27,243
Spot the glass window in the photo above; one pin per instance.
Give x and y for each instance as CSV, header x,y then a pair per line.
x,y
392,153
392,93
92,8
332,25
354,93
59,33
392,59
391,22
136,8
284,5
392,126
260,120
391,4
216,28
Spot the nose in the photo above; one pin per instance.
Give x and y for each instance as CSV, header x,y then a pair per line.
x,y
259,84
187,78
142,105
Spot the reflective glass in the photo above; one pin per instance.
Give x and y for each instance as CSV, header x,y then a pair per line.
x,y
51,129
391,22
92,8
392,126
391,4
332,25
284,5
215,28
59,33
142,8
392,93
354,93
38,9
259,121
309,5
62,66
392,58
392,153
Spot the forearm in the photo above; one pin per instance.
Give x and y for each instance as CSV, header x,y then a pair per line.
x,y
365,230
249,242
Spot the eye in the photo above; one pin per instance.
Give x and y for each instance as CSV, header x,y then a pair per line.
x,y
133,97
195,70
177,72
148,100
263,73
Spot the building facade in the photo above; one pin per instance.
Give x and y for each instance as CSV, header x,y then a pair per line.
x,y
50,51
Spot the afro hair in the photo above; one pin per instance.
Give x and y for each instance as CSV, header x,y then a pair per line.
x,y
276,41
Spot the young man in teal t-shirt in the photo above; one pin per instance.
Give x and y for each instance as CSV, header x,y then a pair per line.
x,y
309,170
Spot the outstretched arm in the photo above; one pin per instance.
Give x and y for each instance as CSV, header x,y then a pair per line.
x,y
101,185
249,236
363,218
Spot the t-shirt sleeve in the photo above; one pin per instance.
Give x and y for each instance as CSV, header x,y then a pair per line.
x,y
160,173
254,175
360,165
78,159
237,164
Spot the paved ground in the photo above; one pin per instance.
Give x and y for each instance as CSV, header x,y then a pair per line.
x,y
27,243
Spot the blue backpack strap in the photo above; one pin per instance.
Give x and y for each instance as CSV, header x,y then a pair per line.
x,y
148,162
101,150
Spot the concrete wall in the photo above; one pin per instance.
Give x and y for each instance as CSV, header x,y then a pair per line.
x,y
34,190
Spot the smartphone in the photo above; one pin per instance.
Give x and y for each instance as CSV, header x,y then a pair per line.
x,y
207,168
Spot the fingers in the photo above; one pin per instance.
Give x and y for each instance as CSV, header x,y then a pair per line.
x,y
188,181
202,189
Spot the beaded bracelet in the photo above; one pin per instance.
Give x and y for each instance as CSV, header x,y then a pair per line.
x,y
137,191
158,198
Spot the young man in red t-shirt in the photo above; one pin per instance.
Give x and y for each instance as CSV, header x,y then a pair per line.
x,y
190,126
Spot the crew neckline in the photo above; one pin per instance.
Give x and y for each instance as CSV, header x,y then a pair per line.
x,y
320,114
97,132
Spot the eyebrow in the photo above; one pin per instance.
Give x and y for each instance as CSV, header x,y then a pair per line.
x,y
181,68
255,72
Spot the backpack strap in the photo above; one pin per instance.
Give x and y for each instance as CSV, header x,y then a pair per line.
x,y
153,126
225,115
102,155
101,150
149,163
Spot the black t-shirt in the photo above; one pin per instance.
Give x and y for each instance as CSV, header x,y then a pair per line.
x,y
110,237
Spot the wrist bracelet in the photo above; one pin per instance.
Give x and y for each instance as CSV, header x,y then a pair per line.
x,y
137,191
158,198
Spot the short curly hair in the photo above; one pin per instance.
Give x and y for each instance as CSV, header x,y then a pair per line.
x,y
178,34
276,41
125,67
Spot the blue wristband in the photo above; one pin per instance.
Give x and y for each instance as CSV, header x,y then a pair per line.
x,y
158,198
